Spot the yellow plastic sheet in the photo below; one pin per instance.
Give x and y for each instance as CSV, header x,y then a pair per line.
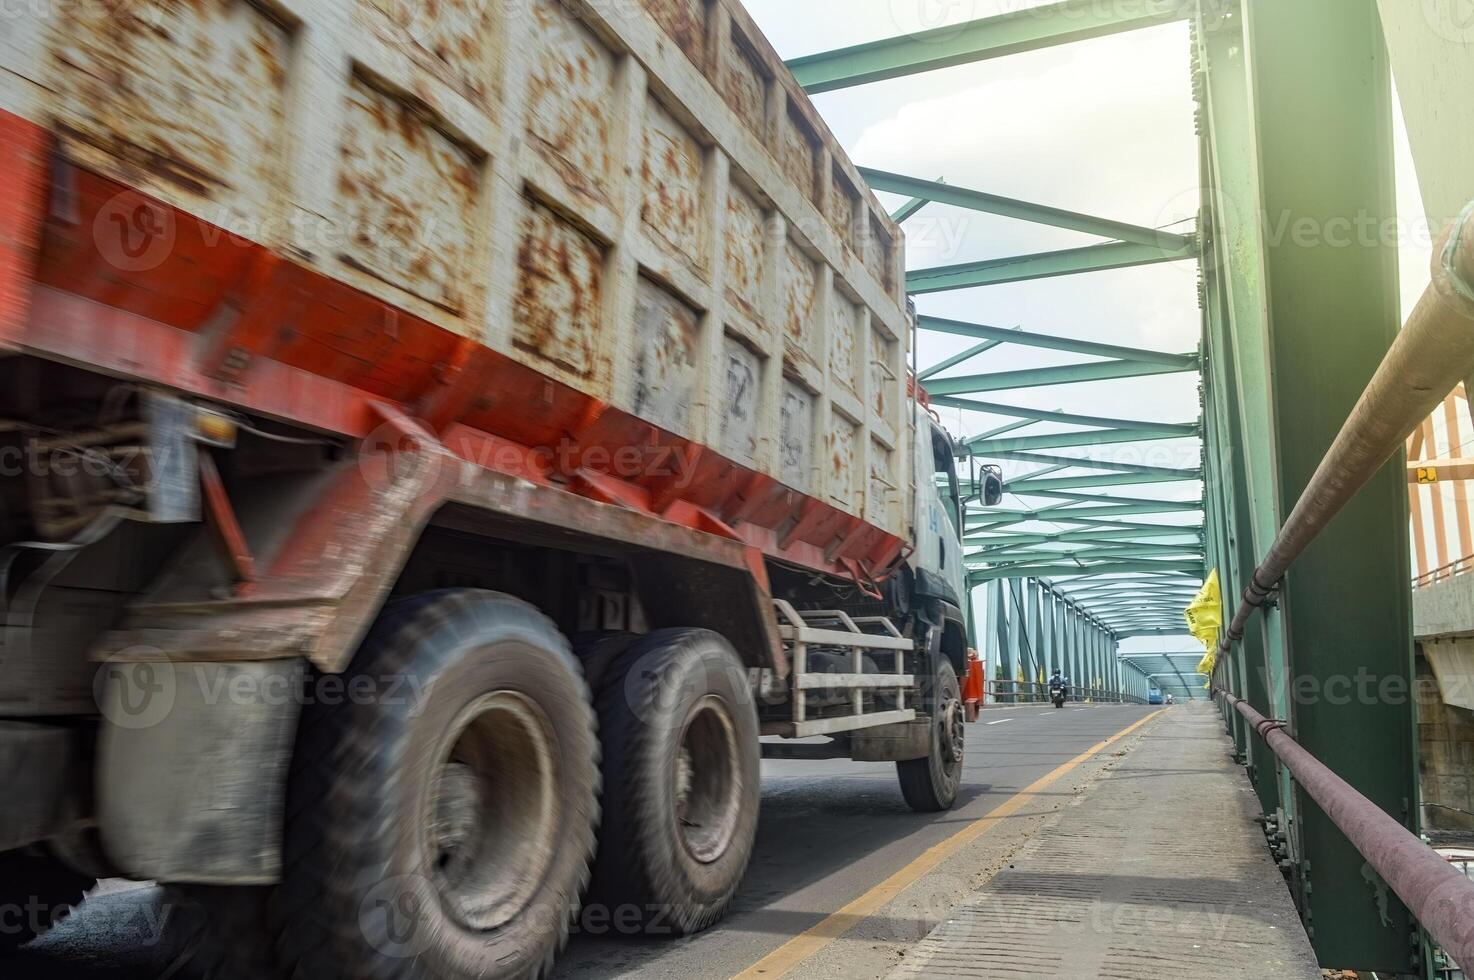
x,y
1204,617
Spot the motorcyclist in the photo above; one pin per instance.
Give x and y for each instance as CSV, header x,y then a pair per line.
x,y
1058,682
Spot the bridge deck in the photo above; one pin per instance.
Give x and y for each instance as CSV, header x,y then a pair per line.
x,y
1158,870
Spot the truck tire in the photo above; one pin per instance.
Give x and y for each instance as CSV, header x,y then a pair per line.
x,y
681,782
41,888
445,829
930,784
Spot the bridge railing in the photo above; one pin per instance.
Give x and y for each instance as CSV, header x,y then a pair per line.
x,y
1432,354
1453,569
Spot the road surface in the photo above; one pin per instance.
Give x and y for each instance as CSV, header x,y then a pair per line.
x,y
834,837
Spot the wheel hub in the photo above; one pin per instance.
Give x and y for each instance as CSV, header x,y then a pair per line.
x,y
493,811
707,782
953,731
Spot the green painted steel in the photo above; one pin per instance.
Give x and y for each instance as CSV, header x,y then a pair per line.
x,y
1088,498
1099,464
1042,265
1067,418
940,193
1093,536
957,359
1092,514
1041,377
1069,440
1299,130
980,573
1096,481
1011,427
908,210
980,331
978,40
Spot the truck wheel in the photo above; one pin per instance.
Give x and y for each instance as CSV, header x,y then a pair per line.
x,y
930,784
681,781
41,889
443,827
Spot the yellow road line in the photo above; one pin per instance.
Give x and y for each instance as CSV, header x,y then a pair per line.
x,y
783,959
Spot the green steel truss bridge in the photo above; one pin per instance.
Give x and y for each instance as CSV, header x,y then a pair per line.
x,y
1295,118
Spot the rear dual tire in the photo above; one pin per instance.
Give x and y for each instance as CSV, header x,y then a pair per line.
x,y
681,781
451,833
444,827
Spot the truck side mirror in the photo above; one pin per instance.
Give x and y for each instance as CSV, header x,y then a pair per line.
x,y
988,485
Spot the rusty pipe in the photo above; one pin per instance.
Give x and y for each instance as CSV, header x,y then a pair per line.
x,y
1433,352
1438,896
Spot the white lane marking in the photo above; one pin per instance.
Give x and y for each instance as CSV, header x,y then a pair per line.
x,y
1001,721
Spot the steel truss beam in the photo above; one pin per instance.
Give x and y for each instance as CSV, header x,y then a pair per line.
x,y
940,193
957,359
1090,536
980,331
1063,374
1071,440
1042,265
1079,515
978,40
1064,418
1178,505
1029,485
1098,464
983,573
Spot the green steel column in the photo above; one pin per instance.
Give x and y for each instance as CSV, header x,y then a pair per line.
x,y
1090,632
998,617
1061,649
1236,270
1077,669
1036,592
1319,71
1046,629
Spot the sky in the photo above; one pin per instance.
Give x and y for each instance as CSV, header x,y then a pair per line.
x,y
1104,127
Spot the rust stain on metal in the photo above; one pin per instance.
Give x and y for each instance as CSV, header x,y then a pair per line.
x,y
876,254
843,451
744,252
796,435
882,488
740,401
408,194
800,285
685,22
186,100
671,180
797,153
667,332
882,374
841,207
455,40
567,100
842,317
559,292
745,85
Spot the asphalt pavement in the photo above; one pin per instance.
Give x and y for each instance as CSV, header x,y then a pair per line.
x,y
844,879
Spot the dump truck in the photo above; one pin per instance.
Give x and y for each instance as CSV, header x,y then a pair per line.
x,y
445,448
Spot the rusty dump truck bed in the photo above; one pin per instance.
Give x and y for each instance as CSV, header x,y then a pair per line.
x,y
518,221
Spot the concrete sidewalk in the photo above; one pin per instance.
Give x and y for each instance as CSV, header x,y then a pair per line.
x,y
1158,870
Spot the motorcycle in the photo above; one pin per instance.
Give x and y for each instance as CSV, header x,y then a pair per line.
x,y
1057,695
